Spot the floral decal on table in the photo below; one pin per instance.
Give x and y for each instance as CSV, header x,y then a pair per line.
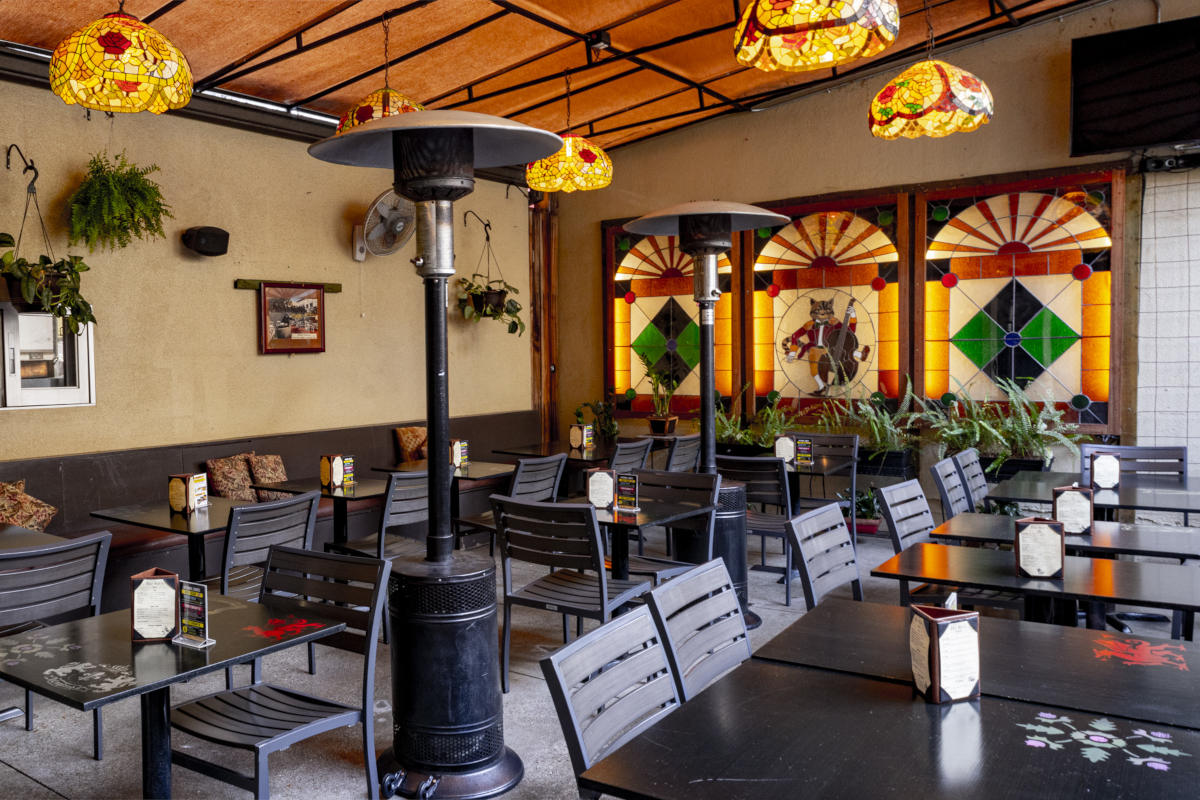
x,y
84,676
1100,739
278,628
1140,652
35,645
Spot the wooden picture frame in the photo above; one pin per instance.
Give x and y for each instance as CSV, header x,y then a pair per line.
x,y
291,318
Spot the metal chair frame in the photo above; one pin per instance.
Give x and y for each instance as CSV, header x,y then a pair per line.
x,y
695,487
534,479
766,483
974,481
684,453
827,556
630,456
951,489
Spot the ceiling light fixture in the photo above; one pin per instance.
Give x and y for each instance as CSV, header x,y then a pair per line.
x,y
813,34
119,63
580,164
385,102
930,98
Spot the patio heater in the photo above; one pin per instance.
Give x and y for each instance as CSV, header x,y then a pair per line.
x,y
705,230
448,715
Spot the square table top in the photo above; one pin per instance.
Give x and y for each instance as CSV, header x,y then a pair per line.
x,y
1099,579
473,471
90,662
591,456
1107,538
769,730
14,537
824,465
1100,672
649,512
158,516
1143,492
362,488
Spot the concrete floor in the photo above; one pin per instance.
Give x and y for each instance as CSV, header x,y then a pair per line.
x,y
55,759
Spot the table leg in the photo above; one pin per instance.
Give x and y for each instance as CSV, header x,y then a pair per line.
x,y
619,552
156,743
197,570
341,520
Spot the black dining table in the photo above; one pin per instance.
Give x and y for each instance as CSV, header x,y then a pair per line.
x,y
1098,672
620,523
772,730
580,457
1138,492
1108,538
92,662
1093,581
159,516
472,471
361,489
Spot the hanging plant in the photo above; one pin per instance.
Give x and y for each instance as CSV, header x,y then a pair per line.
x,y
48,285
115,203
488,297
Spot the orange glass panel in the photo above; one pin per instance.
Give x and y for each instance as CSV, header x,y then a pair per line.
x,y
764,306
1095,384
937,355
724,308
889,298
764,382
621,359
722,357
889,356
724,382
937,382
889,382
764,357
1097,320
621,382
723,331
764,330
1095,353
889,326
620,310
937,326
621,335
937,297
1097,289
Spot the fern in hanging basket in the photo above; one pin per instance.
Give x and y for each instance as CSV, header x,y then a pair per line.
x,y
115,203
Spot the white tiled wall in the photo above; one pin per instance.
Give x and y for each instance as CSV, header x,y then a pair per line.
x,y
1168,379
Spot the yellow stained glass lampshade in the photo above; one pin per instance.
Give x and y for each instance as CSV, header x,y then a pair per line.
x,y
385,102
118,63
578,165
813,34
930,98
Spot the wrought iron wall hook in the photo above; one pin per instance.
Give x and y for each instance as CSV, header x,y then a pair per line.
x,y
32,188
487,224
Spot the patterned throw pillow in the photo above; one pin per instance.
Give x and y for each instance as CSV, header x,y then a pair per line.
x,y
18,508
268,469
412,443
18,485
230,477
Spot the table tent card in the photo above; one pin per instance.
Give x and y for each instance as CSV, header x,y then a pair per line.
x,y
582,436
193,615
602,487
627,491
336,471
1106,471
187,492
804,451
785,448
1074,508
1039,548
459,455
944,646
154,613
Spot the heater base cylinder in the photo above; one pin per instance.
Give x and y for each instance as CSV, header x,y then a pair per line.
x,y
729,543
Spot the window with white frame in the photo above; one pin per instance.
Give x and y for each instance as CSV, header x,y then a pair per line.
x,y
44,363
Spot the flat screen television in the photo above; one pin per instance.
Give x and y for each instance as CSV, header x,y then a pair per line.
x,y
1136,88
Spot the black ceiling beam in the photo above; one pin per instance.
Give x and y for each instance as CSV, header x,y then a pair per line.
x,y
158,12
209,83
400,59
616,53
469,87
1011,18
632,70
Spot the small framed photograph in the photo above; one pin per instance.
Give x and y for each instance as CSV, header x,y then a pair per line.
x,y
291,318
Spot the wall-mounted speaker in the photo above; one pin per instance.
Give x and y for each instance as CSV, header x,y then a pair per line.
x,y
207,240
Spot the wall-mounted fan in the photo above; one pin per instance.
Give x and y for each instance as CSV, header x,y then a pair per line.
x,y
389,223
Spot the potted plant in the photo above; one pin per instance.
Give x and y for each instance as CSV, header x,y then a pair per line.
x,y
1028,429
490,299
886,438
116,202
758,435
662,388
47,285
603,417
866,510
957,422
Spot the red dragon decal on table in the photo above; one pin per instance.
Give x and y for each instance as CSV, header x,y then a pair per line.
x,y
1140,652
278,628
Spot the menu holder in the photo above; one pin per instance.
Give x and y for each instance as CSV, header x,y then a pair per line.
x,y
459,455
582,436
193,616
944,648
785,448
627,491
1039,548
602,487
804,451
336,471
154,612
1106,471
1074,508
187,492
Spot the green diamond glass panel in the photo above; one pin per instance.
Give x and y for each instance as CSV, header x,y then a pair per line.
x,y
650,344
1047,337
687,346
980,339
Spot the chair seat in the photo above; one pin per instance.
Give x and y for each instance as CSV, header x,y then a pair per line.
x,y
482,521
760,523
660,569
260,717
571,592
395,546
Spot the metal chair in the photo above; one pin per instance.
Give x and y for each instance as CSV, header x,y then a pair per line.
x,y
630,456
970,472
534,479
684,453
263,718
951,489
566,538
1168,462
766,483
835,445
608,686
827,558
685,487
47,581
702,626
407,504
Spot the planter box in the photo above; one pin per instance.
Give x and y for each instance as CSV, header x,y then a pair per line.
x,y
743,450
1012,466
891,463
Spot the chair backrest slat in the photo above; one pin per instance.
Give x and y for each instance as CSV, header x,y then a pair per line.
x,y
950,488
827,558
684,487
970,472
684,454
630,456
1164,461
765,478
702,625
906,512
610,685
406,503
538,478
254,529
558,535
48,580
844,445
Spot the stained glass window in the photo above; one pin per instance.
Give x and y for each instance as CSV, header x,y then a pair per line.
x,y
1018,285
827,305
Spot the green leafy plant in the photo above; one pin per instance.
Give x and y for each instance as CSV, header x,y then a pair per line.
x,y
490,299
603,416
964,423
662,387
116,202
727,425
771,421
1029,428
866,504
880,429
52,286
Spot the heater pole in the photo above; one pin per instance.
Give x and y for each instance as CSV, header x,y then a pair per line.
x,y
707,264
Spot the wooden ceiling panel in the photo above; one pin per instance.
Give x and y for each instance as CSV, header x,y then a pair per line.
x,y
591,104
586,17
497,94
632,132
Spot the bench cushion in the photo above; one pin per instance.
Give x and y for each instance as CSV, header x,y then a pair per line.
x,y
25,510
230,476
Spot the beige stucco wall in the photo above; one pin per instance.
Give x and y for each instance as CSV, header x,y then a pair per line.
x,y
176,346
820,144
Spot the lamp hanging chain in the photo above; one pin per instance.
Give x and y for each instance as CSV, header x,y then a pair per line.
x,y
929,32
387,25
568,79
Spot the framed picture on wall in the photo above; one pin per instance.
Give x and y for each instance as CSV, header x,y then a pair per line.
x,y
291,318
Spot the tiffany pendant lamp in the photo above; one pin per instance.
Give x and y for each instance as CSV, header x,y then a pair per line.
x,y
930,98
813,34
